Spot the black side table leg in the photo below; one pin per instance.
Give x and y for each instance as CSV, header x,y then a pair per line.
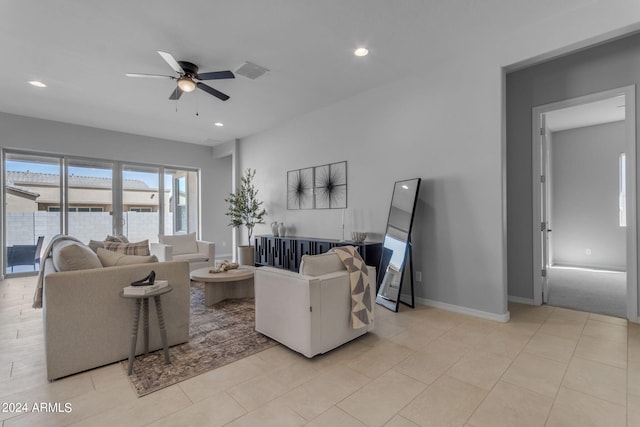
x,y
163,332
134,335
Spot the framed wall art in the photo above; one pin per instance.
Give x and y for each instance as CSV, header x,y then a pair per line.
x,y
318,187
300,189
331,186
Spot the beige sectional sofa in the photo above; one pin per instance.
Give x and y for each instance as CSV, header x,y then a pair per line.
x,y
87,324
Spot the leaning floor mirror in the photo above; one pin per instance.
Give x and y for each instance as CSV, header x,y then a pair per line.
x,y
396,250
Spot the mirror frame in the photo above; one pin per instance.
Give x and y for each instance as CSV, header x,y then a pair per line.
x,y
408,253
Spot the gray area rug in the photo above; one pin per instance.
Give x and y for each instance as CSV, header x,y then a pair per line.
x,y
594,291
218,335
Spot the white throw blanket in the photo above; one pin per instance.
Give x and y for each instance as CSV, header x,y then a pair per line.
x,y
361,310
37,296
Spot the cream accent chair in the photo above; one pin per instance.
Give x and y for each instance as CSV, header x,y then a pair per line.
x,y
310,311
185,247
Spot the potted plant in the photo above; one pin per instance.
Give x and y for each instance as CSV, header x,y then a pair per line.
x,y
245,209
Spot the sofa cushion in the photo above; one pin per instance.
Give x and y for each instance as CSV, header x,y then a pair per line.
x,y
136,248
69,255
317,265
110,258
182,243
95,245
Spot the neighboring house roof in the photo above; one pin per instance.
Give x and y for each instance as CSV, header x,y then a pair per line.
x,y
15,178
22,192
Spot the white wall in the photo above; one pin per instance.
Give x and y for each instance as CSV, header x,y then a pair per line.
x,y
444,125
400,131
24,133
584,197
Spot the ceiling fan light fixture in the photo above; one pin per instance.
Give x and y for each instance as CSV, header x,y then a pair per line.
x,y
361,51
186,84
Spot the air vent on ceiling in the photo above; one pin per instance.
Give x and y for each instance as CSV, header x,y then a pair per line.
x,y
251,71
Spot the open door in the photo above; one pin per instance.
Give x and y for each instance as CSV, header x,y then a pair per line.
x,y
544,207
545,121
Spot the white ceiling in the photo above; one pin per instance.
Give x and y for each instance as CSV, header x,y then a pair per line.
x,y
82,50
593,113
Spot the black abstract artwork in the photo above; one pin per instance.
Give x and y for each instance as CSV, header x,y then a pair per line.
x,y
300,189
319,187
331,186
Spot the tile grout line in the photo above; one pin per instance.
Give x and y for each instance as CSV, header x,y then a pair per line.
x,y
555,397
505,371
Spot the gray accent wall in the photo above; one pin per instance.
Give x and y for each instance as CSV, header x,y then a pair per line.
x,y
603,67
25,133
584,197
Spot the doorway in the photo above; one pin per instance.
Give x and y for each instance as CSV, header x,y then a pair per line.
x,y
584,203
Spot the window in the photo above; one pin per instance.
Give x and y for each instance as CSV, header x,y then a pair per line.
x,y
49,194
622,185
76,209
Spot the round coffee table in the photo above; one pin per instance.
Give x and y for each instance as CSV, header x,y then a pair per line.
x,y
237,283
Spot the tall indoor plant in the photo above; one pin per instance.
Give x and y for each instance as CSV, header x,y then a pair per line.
x,y
245,210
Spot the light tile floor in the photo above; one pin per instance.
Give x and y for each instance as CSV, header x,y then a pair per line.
x,y
423,367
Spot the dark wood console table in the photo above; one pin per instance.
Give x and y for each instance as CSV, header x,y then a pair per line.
x,y
286,252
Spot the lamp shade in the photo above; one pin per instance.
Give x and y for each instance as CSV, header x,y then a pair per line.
x,y
186,84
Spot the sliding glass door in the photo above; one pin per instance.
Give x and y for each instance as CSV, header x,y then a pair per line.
x,y
181,210
89,199
141,199
31,187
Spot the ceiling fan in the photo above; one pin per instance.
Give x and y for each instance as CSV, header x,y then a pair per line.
x,y
188,77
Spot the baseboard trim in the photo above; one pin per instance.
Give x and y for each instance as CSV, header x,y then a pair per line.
x,y
464,310
520,300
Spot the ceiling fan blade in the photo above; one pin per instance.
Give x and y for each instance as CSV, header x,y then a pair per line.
x,y
171,61
176,94
151,76
216,75
212,91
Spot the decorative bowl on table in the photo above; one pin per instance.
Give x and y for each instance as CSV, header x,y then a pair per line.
x,y
358,236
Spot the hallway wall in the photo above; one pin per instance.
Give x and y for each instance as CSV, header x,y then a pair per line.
x,y
584,197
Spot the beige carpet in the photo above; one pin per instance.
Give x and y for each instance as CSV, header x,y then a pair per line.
x,y
218,335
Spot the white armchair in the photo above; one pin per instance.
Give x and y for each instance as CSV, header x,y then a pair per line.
x,y
185,247
310,311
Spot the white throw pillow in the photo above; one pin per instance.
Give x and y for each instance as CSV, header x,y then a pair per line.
x,y
110,258
182,243
317,265
68,255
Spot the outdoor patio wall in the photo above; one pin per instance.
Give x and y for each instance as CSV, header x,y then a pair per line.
x,y
25,227
443,124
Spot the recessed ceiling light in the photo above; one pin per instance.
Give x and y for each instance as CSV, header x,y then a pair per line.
x,y
219,124
37,83
361,51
